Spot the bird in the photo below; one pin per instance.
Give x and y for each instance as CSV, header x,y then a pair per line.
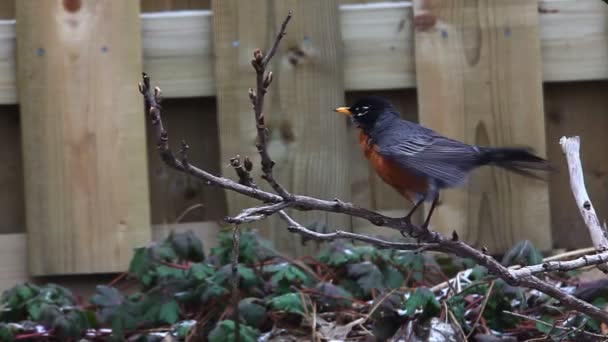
x,y
419,162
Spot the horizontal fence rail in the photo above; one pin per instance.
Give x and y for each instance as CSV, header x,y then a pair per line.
x,y
378,44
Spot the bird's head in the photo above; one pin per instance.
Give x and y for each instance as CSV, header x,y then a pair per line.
x,y
367,110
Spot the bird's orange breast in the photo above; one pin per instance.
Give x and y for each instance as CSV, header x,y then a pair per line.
x,y
404,181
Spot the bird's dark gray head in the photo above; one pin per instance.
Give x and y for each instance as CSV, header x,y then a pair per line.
x,y
366,111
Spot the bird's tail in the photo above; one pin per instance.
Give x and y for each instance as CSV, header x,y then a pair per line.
x,y
515,159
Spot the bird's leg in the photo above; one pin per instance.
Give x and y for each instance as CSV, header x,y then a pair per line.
x,y
418,203
425,225
408,217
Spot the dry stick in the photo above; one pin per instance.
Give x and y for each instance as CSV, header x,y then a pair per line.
x,y
442,243
571,148
483,308
263,80
568,329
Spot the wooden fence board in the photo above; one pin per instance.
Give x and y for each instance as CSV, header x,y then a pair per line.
x,y
577,109
178,50
12,203
174,194
479,80
87,200
307,140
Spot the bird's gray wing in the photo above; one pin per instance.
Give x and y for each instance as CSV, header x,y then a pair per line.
x,y
444,160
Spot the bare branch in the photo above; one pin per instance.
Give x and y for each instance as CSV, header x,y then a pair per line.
x,y
276,203
263,80
340,234
571,148
242,172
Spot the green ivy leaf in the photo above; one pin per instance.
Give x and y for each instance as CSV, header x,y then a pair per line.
x,y
247,276
338,253
286,274
545,328
187,246
393,279
140,263
201,271
212,290
6,333
414,262
523,253
252,312
224,332
165,271
169,312
332,295
289,302
106,297
422,299
367,274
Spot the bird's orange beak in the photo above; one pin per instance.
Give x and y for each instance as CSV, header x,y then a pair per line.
x,y
343,110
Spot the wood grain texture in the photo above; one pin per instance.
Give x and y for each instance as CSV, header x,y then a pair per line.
x,y
479,80
174,194
377,41
87,198
574,39
178,53
12,203
378,46
577,109
308,143
7,9
173,5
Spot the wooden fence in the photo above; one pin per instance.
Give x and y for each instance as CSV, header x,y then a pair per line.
x,y
76,162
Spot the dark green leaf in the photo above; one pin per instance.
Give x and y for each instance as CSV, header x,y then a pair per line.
x,y
422,299
169,312
332,296
224,332
414,262
187,246
201,271
252,313
523,253
543,328
393,279
212,290
338,253
290,302
367,274
107,296
49,313
6,333
478,272
141,262
165,271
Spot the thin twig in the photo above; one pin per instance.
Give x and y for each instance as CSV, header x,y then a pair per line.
x,y
432,239
483,307
569,329
263,80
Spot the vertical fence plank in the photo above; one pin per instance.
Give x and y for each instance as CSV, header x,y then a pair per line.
x,y
577,109
83,134
308,142
479,80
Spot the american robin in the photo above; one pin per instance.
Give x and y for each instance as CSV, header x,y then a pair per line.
x,y
418,162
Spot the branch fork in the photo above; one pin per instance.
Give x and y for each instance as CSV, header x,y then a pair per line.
x,y
275,203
